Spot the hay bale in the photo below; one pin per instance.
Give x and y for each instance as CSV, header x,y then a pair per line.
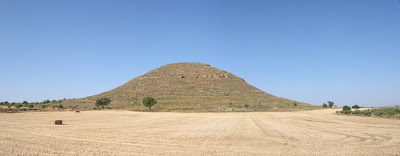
x,y
57,122
77,111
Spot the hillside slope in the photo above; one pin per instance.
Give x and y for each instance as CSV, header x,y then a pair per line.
x,y
192,86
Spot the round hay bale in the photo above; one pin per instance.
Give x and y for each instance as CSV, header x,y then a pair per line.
x,y
57,122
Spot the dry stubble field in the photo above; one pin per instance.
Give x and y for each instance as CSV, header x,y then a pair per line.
x,y
318,132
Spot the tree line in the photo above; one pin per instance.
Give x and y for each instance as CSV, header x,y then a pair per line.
x,y
41,105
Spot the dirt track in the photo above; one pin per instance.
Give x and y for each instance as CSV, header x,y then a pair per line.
x,y
319,132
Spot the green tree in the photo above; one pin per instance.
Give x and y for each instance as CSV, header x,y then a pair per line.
x,y
295,104
102,102
53,101
330,104
6,103
149,102
1,103
25,103
30,106
356,107
346,108
59,101
13,103
324,105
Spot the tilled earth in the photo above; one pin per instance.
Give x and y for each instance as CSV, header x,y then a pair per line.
x,y
317,132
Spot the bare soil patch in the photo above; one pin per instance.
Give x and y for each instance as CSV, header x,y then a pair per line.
x,y
317,132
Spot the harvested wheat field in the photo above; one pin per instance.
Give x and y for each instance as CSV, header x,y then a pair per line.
x,y
318,132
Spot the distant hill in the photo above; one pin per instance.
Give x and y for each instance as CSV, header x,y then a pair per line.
x,y
190,86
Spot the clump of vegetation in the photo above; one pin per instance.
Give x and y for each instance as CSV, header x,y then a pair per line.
x,y
25,103
45,102
43,106
149,102
355,107
59,106
102,102
330,103
17,106
346,108
246,106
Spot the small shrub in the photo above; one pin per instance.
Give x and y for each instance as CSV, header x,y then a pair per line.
x,y
356,107
246,105
346,108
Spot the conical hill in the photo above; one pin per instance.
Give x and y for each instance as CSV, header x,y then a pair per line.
x,y
192,86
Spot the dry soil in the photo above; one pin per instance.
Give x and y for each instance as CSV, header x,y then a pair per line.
x,y
317,132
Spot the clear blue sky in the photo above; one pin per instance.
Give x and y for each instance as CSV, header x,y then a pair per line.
x,y
310,51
